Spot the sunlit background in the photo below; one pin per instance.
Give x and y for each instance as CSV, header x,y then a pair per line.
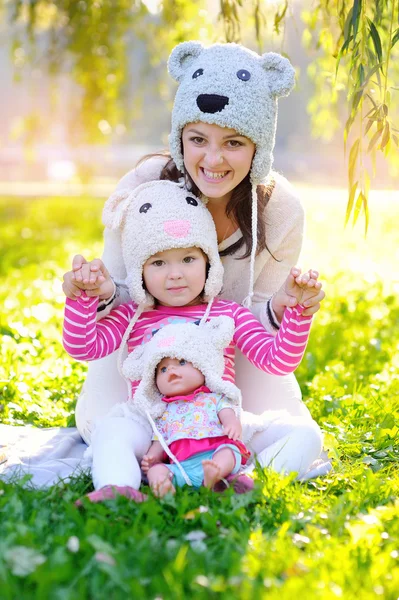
x,y
45,148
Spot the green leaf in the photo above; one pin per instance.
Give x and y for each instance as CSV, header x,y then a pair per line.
x,y
376,40
358,204
369,124
374,139
385,136
395,38
348,25
350,202
357,9
366,205
352,160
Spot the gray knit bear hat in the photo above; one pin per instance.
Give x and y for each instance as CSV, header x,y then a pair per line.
x,y
158,216
202,345
230,86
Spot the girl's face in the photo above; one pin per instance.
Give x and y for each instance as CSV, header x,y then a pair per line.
x,y
176,277
216,158
177,376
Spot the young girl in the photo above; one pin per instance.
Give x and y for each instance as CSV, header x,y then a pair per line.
x,y
169,246
222,137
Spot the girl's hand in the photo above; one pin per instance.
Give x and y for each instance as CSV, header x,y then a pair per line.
x,y
148,461
299,288
92,277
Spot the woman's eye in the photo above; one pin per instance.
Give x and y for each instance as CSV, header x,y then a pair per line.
x,y
197,139
145,208
182,362
197,73
234,143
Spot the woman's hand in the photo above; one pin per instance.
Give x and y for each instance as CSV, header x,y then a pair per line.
x,y
299,288
92,277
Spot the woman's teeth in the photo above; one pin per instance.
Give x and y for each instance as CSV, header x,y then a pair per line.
x,y
212,175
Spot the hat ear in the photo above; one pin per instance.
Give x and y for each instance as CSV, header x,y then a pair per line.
x,y
281,73
221,331
115,208
133,366
182,56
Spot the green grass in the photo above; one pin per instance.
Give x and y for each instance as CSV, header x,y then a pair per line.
x,y
334,537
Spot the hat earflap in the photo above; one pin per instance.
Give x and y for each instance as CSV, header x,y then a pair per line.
x,y
220,330
281,73
133,366
182,57
115,208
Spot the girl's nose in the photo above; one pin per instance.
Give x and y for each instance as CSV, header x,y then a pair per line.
x,y
175,273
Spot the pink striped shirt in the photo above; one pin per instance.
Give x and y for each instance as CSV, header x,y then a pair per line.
x,y
85,338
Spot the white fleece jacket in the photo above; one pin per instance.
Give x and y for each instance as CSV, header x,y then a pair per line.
x,y
284,220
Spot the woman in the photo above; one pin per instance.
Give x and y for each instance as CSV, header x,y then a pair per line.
x,y
221,142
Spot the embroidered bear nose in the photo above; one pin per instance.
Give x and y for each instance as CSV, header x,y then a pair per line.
x,y
211,103
177,229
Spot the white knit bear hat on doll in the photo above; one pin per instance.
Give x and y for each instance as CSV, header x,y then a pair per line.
x,y
203,346
154,217
230,86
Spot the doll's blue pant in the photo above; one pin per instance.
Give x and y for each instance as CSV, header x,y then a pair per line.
x,y
194,469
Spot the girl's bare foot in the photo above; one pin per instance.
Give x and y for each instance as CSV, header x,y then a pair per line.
x,y
160,480
212,473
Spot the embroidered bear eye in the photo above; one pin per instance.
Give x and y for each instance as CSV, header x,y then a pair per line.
x,y
197,73
191,201
243,75
145,207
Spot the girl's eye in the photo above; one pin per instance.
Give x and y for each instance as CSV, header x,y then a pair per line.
x,y
158,263
188,259
163,369
182,362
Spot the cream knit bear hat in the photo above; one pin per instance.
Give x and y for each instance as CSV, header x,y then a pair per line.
x,y
230,86
154,217
158,216
201,345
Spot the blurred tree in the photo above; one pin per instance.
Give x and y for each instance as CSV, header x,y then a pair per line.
x,y
354,41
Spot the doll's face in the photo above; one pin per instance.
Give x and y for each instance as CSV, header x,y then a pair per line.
x,y
177,377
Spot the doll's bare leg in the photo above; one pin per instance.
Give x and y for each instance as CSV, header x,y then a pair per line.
x,y
221,465
160,480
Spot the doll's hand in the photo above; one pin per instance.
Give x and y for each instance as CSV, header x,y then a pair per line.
x,y
233,430
148,461
92,277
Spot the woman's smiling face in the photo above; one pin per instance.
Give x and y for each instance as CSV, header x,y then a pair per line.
x,y
216,158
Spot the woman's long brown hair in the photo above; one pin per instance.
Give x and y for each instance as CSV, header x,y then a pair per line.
x,y
238,207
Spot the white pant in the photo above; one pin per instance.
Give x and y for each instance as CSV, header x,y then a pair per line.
x,y
288,444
